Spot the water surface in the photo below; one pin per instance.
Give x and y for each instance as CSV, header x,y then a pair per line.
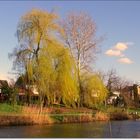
x,y
113,129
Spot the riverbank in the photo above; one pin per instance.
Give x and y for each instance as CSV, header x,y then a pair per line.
x,y
23,115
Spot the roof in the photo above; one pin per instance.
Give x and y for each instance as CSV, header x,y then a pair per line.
x,y
3,83
23,91
116,93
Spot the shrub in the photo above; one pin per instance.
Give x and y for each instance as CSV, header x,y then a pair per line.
x,y
119,116
101,116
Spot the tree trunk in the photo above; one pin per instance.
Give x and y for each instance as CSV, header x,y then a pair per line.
x,y
41,103
79,82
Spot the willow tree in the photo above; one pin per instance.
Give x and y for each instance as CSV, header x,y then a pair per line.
x,y
34,28
55,75
94,90
67,78
80,36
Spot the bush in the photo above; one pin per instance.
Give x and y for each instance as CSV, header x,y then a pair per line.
x,y
93,90
119,116
101,116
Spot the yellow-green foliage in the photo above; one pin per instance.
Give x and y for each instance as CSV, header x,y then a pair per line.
x,y
50,65
29,70
36,26
55,74
43,71
93,89
34,29
67,79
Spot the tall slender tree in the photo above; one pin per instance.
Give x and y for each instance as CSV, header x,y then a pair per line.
x,y
80,36
34,29
94,90
55,75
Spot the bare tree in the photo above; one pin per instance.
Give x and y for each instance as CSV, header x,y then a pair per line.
x,y
122,83
112,80
102,75
116,82
79,36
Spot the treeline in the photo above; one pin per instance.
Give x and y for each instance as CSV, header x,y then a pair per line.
x,y
57,56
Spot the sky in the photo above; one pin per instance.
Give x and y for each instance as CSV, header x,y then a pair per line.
x,y
117,21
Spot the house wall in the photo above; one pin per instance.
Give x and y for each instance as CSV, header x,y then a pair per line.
x,y
138,88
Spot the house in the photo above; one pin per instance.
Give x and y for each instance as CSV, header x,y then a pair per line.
x,y
28,90
3,83
33,89
117,93
94,94
131,95
113,97
133,92
3,86
129,92
136,91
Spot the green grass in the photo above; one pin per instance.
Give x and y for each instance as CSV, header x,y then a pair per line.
x,y
134,110
6,108
17,109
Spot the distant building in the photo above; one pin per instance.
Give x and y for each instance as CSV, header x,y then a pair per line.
x,y
132,92
94,94
113,97
117,93
129,91
29,89
138,88
3,84
33,89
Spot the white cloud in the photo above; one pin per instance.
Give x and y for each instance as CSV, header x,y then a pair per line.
x,y
112,52
125,60
121,46
118,51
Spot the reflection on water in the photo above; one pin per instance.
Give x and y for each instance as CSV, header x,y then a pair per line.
x,y
114,129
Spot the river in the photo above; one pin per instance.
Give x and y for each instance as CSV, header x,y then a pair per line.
x,y
113,129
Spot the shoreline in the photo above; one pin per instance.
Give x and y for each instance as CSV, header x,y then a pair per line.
x,y
30,115
30,119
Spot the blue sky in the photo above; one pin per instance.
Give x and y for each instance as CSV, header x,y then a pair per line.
x,y
117,20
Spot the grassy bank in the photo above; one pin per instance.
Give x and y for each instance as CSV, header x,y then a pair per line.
x,y
23,115
8,109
